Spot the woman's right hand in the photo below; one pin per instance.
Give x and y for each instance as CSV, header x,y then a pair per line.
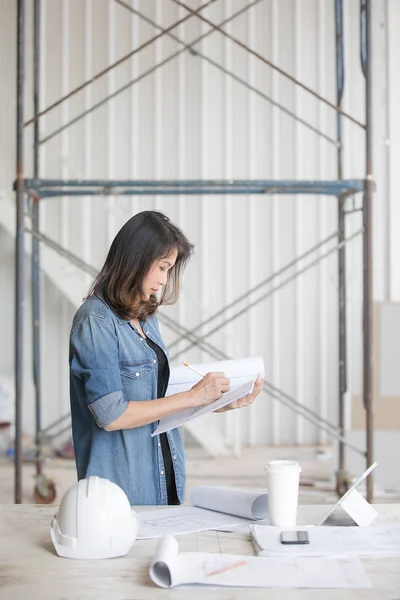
x,y
210,388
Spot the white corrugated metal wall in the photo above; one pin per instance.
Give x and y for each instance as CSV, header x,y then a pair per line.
x,y
189,120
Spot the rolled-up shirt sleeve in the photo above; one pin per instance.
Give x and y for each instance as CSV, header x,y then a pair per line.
x,y
94,360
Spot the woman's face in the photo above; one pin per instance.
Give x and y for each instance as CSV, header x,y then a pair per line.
x,y
158,274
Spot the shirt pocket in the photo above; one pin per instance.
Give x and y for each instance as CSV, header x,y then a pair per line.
x,y
138,380
136,369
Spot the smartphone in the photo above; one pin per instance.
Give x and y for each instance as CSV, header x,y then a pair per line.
x,y
294,537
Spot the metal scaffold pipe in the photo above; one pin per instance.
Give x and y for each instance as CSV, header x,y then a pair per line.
x,y
341,476
19,251
367,245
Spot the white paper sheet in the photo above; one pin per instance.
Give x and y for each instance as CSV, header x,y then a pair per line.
x,y
242,373
184,519
381,540
190,414
239,371
169,569
243,503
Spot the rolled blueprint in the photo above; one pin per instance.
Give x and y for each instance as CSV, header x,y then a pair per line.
x,y
242,503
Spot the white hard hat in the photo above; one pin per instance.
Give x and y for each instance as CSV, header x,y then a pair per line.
x,y
94,520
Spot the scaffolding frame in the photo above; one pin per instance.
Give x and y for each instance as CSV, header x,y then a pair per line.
x,y
35,189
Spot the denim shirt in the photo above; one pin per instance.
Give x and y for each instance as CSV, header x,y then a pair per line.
x,y
111,364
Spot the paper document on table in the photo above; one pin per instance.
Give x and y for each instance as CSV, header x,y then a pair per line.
x,y
170,569
213,507
184,519
378,540
190,414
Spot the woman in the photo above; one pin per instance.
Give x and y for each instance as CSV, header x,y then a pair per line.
x,y
119,368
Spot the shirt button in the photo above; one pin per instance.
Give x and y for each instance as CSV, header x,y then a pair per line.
x,y
174,457
162,472
137,374
159,444
154,360
142,339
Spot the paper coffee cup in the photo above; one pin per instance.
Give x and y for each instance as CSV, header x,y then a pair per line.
x,y
283,492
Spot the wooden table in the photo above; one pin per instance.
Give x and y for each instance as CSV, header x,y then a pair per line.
x,y
30,568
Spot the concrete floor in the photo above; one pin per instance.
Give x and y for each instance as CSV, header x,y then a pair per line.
x,y
246,472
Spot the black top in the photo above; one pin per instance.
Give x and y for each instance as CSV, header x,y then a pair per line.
x,y
162,384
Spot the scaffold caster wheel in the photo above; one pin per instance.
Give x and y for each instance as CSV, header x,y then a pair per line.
x,y
44,491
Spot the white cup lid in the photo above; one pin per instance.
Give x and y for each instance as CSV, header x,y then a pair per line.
x,y
282,465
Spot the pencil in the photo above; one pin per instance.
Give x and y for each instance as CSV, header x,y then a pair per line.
x,y
192,368
228,568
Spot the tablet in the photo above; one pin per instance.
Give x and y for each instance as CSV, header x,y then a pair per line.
x,y
353,487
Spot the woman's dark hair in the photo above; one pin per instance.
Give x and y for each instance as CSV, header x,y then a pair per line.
x,y
145,238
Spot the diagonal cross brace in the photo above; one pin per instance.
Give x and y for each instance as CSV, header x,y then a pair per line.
x,y
140,77
271,64
115,64
250,87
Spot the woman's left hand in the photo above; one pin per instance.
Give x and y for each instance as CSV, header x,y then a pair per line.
x,y
246,400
